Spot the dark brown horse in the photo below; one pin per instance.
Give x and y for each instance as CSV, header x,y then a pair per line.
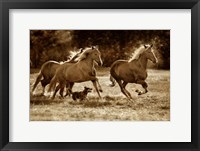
x,y
133,70
81,71
48,71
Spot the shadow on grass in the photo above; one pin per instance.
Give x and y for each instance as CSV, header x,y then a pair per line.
x,y
91,103
43,100
106,101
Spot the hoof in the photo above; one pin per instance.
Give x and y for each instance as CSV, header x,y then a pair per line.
x,y
111,85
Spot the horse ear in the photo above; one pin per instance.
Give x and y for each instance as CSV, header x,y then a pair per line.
x,y
95,47
81,50
145,46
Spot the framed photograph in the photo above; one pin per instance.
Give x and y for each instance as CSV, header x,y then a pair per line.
x,y
99,75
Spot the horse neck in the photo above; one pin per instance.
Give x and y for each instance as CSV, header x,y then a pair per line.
x,y
88,62
143,61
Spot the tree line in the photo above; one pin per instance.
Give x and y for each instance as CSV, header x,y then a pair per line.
x,y
114,44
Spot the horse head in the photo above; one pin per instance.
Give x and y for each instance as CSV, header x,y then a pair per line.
x,y
96,55
150,53
92,53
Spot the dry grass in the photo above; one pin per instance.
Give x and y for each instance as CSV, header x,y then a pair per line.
x,y
153,106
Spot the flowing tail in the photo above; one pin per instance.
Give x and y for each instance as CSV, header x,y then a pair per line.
x,y
52,84
39,77
113,82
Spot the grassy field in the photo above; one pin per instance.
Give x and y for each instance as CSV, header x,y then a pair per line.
x,y
152,106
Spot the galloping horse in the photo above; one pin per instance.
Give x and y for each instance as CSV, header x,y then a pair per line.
x,y
133,70
83,70
48,71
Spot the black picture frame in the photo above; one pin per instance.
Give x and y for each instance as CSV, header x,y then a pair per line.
x,y
5,5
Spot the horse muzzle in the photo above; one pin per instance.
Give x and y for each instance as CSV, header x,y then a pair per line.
x,y
100,62
155,61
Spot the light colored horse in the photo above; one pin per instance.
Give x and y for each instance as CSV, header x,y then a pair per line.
x,y
133,70
48,70
83,70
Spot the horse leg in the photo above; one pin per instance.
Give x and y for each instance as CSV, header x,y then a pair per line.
x,y
39,77
62,87
144,85
95,86
44,83
122,88
100,89
56,90
71,84
69,88
124,85
61,92
112,80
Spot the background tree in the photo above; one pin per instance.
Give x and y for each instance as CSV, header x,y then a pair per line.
x,y
114,44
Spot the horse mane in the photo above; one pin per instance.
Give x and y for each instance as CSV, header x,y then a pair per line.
x,y
136,54
74,55
84,53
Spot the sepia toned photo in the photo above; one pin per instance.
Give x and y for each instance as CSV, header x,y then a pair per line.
x,y
99,75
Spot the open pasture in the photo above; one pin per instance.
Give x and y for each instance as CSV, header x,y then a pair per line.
x,y
114,106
